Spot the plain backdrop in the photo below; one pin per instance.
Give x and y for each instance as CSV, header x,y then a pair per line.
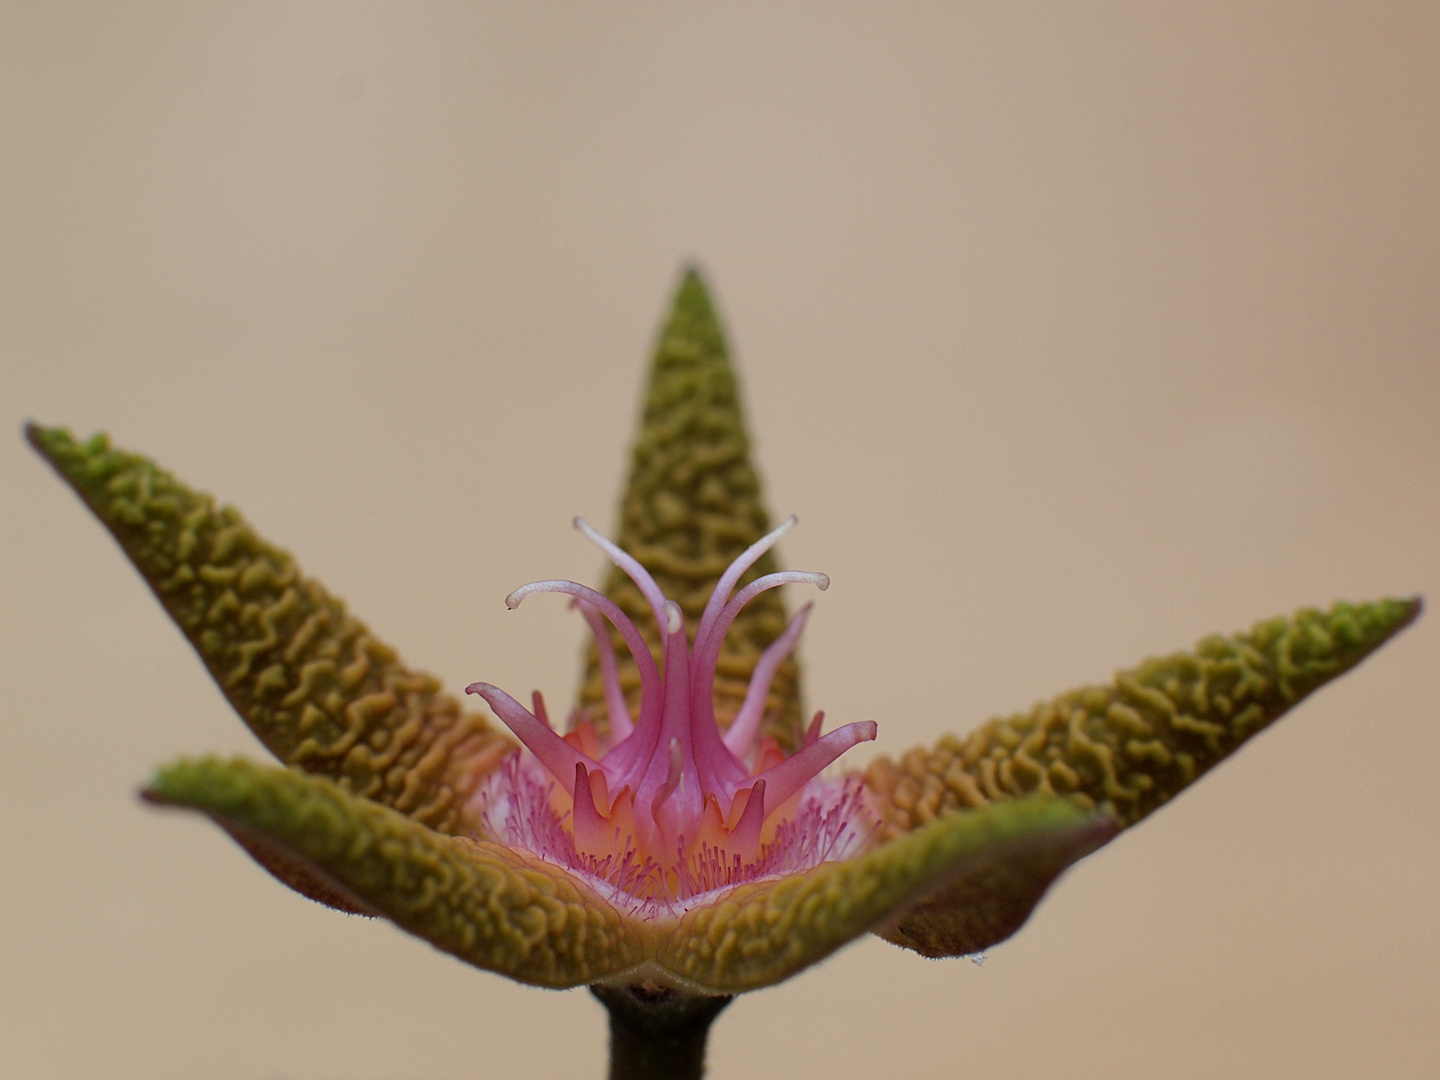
x,y
1072,332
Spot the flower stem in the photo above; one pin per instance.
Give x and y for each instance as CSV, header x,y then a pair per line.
x,y
657,1033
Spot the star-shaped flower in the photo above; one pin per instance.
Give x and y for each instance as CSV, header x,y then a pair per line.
x,y
678,843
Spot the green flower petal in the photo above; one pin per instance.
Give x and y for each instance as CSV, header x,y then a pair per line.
x,y
1002,858
310,680
476,900
691,505
1131,746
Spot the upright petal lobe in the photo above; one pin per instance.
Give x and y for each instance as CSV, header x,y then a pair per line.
x,y
1134,744
693,503
1126,748
309,679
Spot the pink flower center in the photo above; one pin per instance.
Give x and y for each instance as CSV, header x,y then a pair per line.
x,y
667,806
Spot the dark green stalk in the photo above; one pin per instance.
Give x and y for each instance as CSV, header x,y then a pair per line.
x,y
657,1033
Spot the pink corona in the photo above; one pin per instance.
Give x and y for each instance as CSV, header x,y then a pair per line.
x,y
666,808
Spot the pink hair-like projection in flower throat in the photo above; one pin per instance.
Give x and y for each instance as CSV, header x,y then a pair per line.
x,y
666,808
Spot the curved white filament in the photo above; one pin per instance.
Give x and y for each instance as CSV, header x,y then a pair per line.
x,y
627,562
748,558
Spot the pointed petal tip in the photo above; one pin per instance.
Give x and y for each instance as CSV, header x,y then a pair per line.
x,y
45,439
55,444
1378,621
162,787
67,454
1412,607
1346,633
692,304
210,785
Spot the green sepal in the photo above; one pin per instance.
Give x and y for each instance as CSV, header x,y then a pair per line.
x,y
479,901
1002,858
312,682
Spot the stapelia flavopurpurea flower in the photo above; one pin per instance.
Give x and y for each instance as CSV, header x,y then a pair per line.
x,y
680,833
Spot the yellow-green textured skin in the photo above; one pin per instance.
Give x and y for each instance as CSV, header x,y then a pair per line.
x,y
691,505
1130,746
534,922
477,900
764,932
318,689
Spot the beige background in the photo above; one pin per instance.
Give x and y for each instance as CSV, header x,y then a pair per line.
x,y
1071,332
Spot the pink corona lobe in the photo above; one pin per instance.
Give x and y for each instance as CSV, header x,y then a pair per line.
x,y
665,808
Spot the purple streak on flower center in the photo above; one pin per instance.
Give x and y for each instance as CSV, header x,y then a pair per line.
x,y
667,807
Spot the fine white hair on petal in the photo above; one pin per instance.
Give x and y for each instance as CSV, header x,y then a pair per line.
x,y
832,822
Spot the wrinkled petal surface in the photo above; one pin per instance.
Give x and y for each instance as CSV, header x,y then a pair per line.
x,y
474,899
693,502
767,931
533,922
318,689
1126,748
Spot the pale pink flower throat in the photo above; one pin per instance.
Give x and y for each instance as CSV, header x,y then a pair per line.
x,y
666,806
